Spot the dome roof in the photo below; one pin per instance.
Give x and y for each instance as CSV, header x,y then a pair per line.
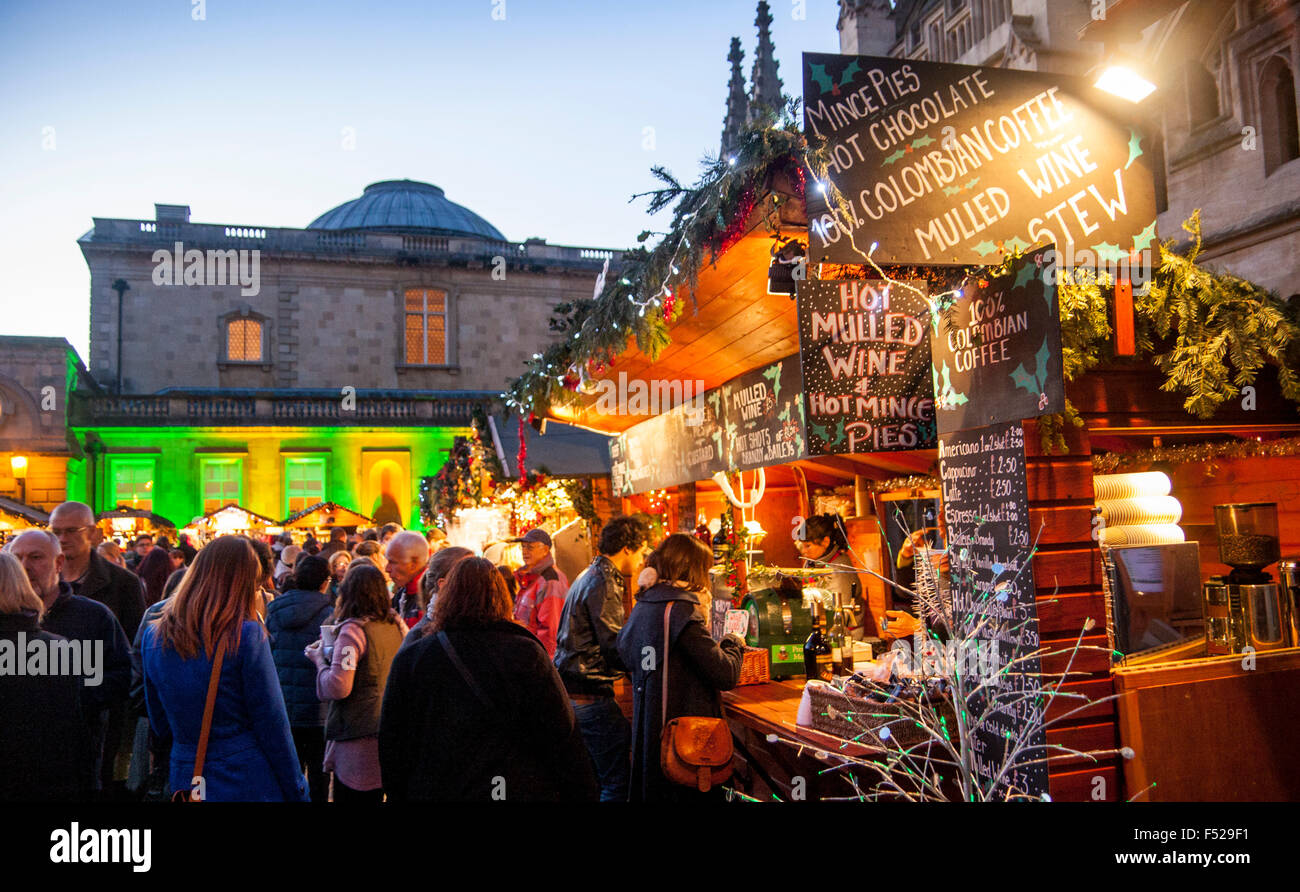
x,y
406,206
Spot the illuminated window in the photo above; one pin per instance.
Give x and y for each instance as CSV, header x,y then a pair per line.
x,y
221,479
133,480
426,327
304,483
243,340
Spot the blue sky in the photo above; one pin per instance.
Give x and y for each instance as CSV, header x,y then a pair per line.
x,y
536,122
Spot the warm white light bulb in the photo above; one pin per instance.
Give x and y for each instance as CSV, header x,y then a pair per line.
x,y
1124,82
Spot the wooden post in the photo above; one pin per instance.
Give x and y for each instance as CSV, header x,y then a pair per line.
x,y
1125,333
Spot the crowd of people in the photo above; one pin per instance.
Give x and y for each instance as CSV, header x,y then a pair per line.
x,y
382,664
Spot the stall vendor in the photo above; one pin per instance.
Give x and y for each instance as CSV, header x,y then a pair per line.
x,y
825,544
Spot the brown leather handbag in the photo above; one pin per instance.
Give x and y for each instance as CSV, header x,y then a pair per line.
x,y
201,752
695,751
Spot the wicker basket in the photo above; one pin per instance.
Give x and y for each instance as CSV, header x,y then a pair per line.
x,y
754,670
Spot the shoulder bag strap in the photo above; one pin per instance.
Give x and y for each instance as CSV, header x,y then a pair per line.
x,y
474,686
663,716
202,751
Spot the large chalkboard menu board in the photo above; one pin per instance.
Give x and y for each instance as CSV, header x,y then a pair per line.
x,y
949,163
997,353
986,511
684,444
763,413
864,346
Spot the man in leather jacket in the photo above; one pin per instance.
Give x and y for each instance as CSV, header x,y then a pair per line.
x,y
586,658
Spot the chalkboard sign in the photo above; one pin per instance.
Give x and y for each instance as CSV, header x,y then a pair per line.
x,y
949,163
997,353
864,346
684,444
986,512
764,416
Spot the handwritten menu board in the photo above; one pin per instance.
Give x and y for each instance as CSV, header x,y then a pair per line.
x,y
763,412
946,163
684,444
997,354
986,511
864,346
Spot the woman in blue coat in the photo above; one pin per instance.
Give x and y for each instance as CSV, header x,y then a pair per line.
x,y
250,755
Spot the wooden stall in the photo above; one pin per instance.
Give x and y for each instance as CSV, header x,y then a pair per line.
x,y
736,326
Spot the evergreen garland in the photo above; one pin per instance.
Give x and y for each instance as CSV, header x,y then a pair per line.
x,y
1209,332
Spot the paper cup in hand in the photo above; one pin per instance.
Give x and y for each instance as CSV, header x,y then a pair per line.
x,y
328,634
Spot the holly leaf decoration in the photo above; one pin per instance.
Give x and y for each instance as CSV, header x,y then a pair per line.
x,y
1021,378
890,159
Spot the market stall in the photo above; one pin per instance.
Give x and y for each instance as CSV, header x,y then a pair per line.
x,y
16,517
962,422
317,520
128,523
232,519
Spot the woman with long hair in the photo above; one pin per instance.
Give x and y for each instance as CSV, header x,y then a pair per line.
x,y
352,680
153,571
214,613
475,710
698,667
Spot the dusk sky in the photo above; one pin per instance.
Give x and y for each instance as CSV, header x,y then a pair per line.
x,y
537,122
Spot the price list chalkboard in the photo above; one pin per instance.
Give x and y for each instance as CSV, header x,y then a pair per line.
x,y
997,353
763,414
986,511
944,163
684,444
864,347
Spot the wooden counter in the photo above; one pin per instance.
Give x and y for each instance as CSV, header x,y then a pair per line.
x,y
1216,729
768,770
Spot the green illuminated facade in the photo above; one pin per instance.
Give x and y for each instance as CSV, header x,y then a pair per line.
x,y
182,472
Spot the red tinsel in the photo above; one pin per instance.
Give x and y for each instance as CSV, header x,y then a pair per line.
x,y
523,445
736,229
669,302
800,181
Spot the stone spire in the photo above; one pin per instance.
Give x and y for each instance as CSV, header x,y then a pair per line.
x,y
737,101
766,85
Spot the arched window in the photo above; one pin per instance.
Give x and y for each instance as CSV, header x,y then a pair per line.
x,y
1281,129
1202,95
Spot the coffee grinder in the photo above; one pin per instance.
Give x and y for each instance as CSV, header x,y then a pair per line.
x,y
1246,608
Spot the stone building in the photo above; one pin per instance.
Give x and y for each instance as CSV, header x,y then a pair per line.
x,y
1224,107
36,377
276,368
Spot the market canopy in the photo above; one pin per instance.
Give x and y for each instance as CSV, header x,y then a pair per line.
x,y
326,514
233,516
123,513
563,451
16,515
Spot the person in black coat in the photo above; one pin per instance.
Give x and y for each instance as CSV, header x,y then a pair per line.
x,y
698,667
475,712
50,758
107,677
293,621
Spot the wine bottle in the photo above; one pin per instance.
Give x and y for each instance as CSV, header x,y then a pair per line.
x,y
840,663
817,651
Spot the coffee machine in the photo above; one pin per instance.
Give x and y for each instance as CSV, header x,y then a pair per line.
x,y
1247,608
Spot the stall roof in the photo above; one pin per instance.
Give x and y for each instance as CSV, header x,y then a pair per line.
x,y
260,518
24,511
156,519
737,327
563,451
334,515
